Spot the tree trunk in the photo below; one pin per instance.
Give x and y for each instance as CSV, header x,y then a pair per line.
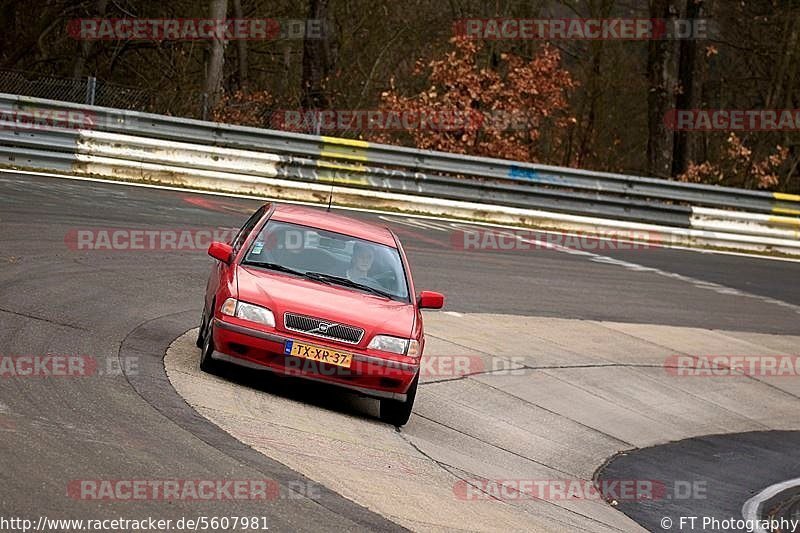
x,y
594,85
317,61
241,48
216,60
661,97
686,96
86,45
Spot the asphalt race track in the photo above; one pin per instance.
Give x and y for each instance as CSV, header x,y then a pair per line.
x,y
580,339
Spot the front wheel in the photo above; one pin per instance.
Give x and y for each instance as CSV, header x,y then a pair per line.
x,y
201,334
397,412
207,364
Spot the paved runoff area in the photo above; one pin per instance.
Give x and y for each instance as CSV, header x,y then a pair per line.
x,y
514,416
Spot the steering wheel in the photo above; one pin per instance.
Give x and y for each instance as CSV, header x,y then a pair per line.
x,y
387,279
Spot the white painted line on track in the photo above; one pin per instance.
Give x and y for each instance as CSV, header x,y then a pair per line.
x,y
469,227
750,509
417,223
700,284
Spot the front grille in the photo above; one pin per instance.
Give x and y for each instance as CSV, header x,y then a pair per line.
x,y
322,328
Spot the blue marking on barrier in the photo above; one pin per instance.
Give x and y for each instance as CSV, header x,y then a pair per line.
x,y
519,172
532,175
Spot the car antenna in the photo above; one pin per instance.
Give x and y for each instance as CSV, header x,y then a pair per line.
x,y
317,129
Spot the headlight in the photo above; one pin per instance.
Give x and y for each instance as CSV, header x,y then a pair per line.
x,y
400,346
246,311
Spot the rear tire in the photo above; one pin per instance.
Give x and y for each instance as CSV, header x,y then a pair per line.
x,y
397,412
207,364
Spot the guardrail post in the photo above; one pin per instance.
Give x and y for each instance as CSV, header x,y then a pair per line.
x,y
204,107
91,86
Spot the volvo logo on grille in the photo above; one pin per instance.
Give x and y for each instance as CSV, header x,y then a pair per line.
x,y
322,327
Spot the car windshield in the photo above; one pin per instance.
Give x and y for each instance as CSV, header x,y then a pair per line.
x,y
330,257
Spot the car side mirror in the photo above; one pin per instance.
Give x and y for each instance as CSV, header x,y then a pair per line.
x,y
221,252
430,300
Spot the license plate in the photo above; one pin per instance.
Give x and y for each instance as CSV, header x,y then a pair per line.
x,y
316,353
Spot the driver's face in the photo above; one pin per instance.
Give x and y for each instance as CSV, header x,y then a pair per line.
x,y
363,260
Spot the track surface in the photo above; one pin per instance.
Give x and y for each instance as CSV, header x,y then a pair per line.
x,y
726,469
56,300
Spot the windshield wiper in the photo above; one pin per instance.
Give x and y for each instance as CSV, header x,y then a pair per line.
x,y
275,266
319,276
347,282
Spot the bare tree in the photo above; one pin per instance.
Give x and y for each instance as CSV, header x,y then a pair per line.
x,y
241,48
85,46
685,98
661,97
216,60
594,92
317,60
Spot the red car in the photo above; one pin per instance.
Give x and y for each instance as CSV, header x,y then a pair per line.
x,y
304,292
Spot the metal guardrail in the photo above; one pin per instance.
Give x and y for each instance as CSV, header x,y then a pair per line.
x,y
377,167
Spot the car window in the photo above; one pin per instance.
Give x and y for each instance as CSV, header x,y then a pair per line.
x,y
308,249
248,226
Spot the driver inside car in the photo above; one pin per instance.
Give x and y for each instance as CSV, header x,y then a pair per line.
x,y
360,264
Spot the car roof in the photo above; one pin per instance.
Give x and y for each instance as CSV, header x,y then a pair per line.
x,y
322,219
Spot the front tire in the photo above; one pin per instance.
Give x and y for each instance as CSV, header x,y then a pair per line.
x,y
201,334
207,363
396,412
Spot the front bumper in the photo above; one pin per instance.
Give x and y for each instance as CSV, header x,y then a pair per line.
x,y
367,375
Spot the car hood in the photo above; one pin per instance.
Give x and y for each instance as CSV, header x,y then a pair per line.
x,y
283,292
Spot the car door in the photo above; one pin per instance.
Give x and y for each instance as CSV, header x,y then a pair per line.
x,y
223,273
